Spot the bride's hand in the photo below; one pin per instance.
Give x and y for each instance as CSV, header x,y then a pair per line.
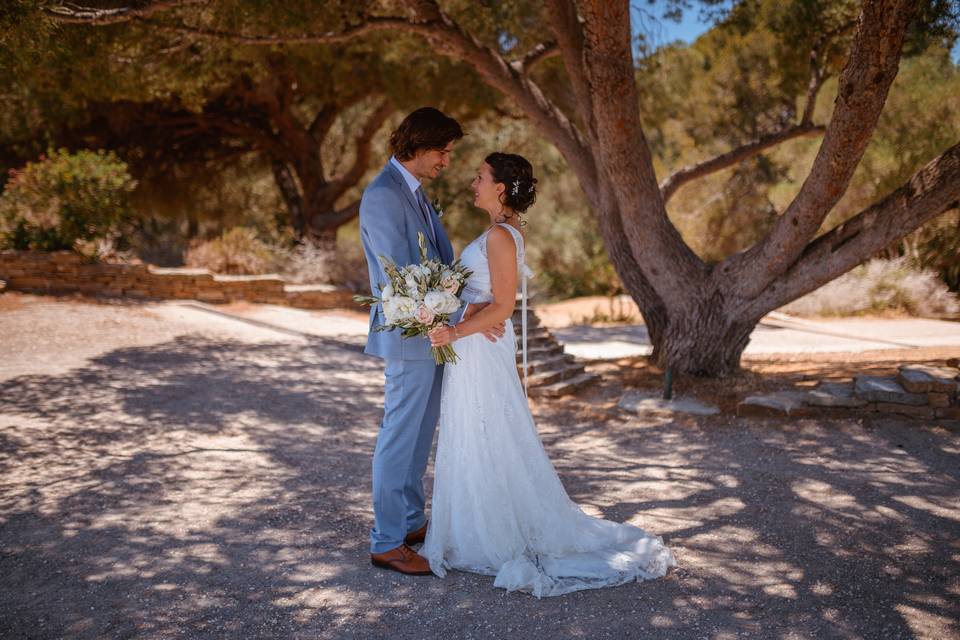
x,y
442,336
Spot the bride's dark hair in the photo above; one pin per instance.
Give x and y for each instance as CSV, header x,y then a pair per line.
x,y
516,173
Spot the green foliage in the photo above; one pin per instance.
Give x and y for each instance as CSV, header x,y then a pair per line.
x,y
63,199
742,79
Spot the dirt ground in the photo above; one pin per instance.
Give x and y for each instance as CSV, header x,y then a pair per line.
x,y
180,475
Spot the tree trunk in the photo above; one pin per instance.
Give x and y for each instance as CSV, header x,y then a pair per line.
x,y
708,339
325,240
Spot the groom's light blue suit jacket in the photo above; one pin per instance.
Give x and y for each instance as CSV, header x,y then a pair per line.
x,y
389,221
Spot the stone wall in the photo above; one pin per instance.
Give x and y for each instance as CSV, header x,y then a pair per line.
x,y
919,391
67,272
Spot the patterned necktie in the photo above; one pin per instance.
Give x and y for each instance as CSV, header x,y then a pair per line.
x,y
425,210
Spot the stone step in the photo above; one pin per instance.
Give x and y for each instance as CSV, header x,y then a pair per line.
x,y
532,319
565,387
535,342
534,333
537,352
549,363
833,394
882,389
778,403
553,375
923,379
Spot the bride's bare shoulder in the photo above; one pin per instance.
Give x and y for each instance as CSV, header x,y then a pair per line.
x,y
500,238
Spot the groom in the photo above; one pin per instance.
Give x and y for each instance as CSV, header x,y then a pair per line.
x,y
394,208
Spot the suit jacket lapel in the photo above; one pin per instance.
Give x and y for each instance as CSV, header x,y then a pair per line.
x,y
412,201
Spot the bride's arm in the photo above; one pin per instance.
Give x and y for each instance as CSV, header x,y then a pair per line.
x,y
502,258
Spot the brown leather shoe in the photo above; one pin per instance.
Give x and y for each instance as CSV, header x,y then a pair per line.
x,y
418,536
402,559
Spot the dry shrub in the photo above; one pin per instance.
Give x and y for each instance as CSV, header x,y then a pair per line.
x,y
237,251
343,267
880,286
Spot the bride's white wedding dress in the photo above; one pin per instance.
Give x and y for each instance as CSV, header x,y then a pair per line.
x,y
498,505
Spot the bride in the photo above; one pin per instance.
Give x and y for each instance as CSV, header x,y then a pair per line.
x,y
498,505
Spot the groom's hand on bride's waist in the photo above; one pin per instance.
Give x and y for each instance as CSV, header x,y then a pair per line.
x,y
494,332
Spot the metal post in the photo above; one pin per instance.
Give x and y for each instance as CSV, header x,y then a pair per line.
x,y
668,384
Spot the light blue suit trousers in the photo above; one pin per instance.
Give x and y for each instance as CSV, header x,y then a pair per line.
x,y
411,409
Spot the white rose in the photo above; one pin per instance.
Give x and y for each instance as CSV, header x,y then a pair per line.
x,y
387,292
398,308
411,282
441,301
451,302
407,307
434,300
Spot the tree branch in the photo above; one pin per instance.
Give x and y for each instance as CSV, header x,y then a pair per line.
x,y
537,54
817,73
931,191
69,12
452,41
866,79
334,219
370,25
290,191
681,177
323,121
806,127
623,154
362,146
566,28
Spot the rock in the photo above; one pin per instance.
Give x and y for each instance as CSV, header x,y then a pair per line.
x,y
938,399
565,387
876,389
923,379
833,394
953,362
906,410
779,403
949,413
638,402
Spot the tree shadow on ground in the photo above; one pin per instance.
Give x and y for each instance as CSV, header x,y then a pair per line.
x,y
206,488
817,527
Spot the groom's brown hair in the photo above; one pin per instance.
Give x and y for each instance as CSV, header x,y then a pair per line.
x,y
425,128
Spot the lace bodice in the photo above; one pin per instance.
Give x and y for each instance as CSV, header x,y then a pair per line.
x,y
474,256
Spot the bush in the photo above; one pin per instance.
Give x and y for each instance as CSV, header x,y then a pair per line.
x,y
237,251
64,200
345,267
879,286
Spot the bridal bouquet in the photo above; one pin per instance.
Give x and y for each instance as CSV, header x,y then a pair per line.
x,y
420,297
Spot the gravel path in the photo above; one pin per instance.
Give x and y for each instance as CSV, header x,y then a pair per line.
x,y
170,472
